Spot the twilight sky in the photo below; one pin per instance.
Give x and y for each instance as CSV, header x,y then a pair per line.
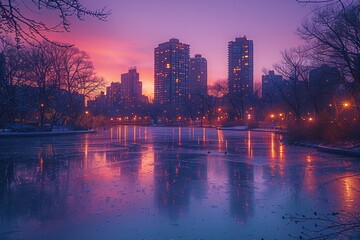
x,y
136,27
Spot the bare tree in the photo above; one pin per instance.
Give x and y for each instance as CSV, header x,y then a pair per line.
x,y
43,76
218,97
294,67
326,226
11,78
78,78
21,19
333,37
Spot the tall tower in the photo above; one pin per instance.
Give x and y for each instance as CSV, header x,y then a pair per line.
x,y
131,87
171,62
241,66
198,75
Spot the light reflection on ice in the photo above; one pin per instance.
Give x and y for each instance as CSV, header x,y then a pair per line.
x,y
163,183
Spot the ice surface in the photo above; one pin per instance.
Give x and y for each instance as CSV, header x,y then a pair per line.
x,y
134,182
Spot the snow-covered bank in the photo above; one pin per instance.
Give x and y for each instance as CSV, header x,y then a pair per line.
x,y
43,134
354,151
235,128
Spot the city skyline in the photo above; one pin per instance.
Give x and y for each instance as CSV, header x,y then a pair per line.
x,y
135,28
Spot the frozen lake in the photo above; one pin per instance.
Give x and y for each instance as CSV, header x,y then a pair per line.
x,y
134,182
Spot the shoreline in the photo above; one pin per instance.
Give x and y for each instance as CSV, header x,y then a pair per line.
x,y
43,134
350,152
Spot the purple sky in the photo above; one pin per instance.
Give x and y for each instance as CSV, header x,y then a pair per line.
x,y
136,27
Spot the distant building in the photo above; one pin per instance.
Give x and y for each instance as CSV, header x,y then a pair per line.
x,y
98,105
198,75
113,94
131,87
324,83
271,95
241,66
270,84
171,62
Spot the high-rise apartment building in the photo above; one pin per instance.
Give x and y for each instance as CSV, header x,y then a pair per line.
x,y
113,95
198,75
131,87
171,62
241,66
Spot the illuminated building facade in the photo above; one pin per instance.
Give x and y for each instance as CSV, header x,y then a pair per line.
x,y
241,66
131,87
171,62
198,75
113,94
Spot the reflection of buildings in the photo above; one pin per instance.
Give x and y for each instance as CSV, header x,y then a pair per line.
x,y
128,155
42,186
241,179
175,177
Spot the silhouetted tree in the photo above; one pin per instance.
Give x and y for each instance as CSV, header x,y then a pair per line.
x,y
11,77
333,37
17,18
294,67
43,74
60,80
326,226
154,111
78,78
218,93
